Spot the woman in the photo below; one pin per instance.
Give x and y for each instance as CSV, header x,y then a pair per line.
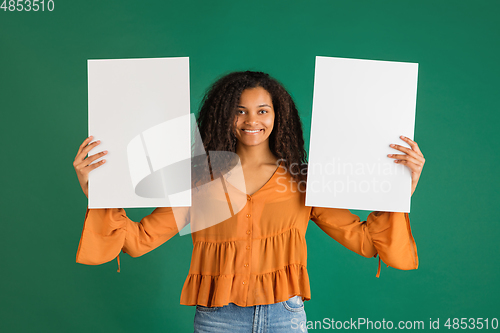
x,y
249,272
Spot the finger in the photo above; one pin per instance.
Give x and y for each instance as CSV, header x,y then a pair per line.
x,y
91,159
413,167
407,158
418,160
94,165
405,150
85,142
86,150
412,144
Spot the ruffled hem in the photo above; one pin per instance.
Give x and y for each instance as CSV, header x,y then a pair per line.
x,y
244,290
222,258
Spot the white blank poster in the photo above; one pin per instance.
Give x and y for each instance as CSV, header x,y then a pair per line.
x,y
139,110
360,107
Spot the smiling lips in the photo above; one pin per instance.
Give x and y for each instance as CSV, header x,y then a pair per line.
x,y
252,131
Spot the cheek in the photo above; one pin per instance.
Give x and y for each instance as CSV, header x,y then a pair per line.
x,y
270,122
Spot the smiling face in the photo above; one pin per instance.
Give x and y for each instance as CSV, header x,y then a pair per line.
x,y
254,117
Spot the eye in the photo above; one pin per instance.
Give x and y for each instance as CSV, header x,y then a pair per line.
x,y
240,111
264,111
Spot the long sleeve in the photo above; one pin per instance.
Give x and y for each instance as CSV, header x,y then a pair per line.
x,y
106,232
385,233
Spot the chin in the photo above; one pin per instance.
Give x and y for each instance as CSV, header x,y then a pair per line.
x,y
250,143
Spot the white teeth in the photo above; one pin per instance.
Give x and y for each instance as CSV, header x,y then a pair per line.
x,y
249,131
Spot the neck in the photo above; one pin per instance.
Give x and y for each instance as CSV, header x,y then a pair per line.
x,y
255,155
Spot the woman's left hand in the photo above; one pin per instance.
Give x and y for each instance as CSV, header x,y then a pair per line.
x,y
413,159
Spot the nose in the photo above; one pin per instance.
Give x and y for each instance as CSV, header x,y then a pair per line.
x,y
251,119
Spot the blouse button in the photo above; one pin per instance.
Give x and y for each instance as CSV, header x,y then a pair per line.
x,y
248,247
246,265
248,232
243,282
248,198
248,215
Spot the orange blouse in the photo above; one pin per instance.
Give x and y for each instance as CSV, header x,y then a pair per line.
x,y
258,256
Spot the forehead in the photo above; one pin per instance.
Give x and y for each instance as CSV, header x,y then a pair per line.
x,y
255,96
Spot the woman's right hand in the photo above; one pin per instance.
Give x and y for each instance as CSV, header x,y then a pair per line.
x,y
82,165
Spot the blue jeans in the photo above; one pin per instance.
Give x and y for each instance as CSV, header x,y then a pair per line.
x,y
287,316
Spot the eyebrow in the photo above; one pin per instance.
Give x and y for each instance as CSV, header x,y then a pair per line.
x,y
241,106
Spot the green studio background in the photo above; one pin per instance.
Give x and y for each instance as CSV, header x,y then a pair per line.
x,y
43,102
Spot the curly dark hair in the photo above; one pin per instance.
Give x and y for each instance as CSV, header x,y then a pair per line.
x,y
216,120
